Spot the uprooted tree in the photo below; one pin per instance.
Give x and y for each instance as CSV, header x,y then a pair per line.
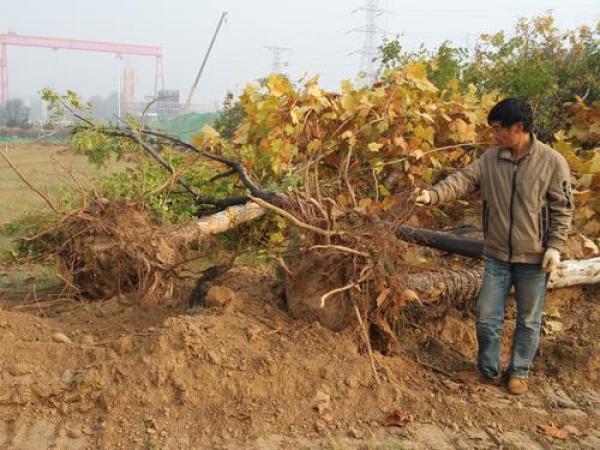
x,y
335,168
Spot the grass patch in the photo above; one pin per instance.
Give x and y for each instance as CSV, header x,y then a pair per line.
x,y
34,161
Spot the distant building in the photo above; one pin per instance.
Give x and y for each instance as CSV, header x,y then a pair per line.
x,y
168,106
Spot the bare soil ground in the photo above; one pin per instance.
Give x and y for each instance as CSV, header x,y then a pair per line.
x,y
242,374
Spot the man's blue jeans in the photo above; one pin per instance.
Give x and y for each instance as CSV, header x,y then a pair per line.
x,y
530,283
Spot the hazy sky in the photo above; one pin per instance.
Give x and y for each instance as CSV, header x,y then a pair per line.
x,y
316,32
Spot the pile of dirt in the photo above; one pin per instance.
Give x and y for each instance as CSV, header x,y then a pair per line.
x,y
241,373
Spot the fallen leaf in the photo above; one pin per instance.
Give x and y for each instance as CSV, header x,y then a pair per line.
x,y
408,295
374,146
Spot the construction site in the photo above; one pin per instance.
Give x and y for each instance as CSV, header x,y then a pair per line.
x,y
305,264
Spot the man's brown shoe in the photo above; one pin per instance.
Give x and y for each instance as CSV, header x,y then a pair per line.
x,y
483,379
517,386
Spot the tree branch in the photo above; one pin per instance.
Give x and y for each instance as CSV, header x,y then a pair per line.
x,y
294,219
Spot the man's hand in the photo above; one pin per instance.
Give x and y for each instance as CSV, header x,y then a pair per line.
x,y
551,260
422,197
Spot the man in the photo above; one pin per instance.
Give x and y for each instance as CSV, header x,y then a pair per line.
x,y
527,207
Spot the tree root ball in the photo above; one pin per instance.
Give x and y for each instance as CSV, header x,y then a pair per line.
x,y
112,248
316,273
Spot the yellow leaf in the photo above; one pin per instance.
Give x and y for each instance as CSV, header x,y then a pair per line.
x,y
281,222
453,84
427,117
416,71
592,166
279,85
417,154
400,142
277,237
435,163
364,203
425,133
374,146
349,137
379,93
209,132
378,167
383,191
294,115
348,102
560,135
314,145
382,126
289,129
427,174
346,86
315,91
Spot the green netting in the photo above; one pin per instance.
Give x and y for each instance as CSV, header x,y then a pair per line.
x,y
184,127
14,139
20,140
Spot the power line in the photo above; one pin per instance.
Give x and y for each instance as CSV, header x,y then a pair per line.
x,y
371,31
281,59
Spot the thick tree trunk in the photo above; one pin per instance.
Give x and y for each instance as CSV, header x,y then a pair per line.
x,y
463,285
576,272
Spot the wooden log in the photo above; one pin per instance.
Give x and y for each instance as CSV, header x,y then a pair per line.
x,y
569,273
575,273
462,285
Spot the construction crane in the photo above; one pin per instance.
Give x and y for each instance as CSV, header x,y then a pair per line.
x,y
212,42
12,38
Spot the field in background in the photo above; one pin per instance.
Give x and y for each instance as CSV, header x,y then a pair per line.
x,y
35,162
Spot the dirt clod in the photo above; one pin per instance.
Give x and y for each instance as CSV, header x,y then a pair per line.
x,y
221,296
61,338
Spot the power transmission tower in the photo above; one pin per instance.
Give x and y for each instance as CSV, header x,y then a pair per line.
x,y
371,30
281,59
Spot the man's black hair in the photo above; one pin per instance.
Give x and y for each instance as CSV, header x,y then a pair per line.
x,y
510,111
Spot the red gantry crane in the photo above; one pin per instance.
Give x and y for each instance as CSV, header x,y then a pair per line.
x,y
12,38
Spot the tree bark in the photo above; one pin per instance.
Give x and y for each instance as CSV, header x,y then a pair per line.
x,y
216,223
462,285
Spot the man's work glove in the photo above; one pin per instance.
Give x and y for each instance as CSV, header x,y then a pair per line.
x,y
423,198
551,260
